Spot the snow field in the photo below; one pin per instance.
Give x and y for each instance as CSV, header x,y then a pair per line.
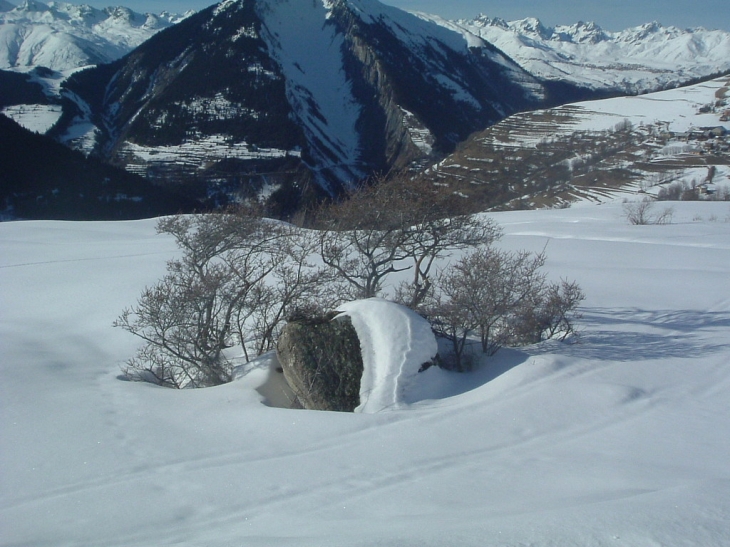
x,y
618,439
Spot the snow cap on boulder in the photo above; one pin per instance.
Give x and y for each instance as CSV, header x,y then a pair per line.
x,y
395,343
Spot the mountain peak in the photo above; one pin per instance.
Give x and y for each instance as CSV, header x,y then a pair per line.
x,y
531,25
636,60
31,6
277,96
653,31
64,36
483,20
581,33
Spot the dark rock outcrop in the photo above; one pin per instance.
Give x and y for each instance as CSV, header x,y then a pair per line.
x,y
322,363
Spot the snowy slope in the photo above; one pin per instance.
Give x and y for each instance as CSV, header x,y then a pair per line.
x,y
310,54
36,117
635,60
357,87
620,439
63,36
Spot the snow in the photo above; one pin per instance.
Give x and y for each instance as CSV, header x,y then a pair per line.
x,y
309,51
34,117
64,36
196,152
618,439
677,108
395,343
420,135
634,60
416,30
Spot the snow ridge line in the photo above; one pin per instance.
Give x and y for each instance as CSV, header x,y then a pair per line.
x,y
403,360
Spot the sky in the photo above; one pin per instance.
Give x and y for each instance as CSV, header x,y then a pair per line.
x,y
609,14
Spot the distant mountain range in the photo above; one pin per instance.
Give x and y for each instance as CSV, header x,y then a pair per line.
x,y
283,96
63,36
636,60
292,100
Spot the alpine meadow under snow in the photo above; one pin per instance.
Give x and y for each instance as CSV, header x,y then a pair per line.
x,y
617,437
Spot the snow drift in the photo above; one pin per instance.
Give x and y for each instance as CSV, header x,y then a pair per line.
x,y
395,343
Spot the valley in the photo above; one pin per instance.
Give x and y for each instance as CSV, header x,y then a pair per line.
x,y
112,123
228,104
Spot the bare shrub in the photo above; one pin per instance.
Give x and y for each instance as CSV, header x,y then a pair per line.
x,y
552,314
236,279
394,226
642,213
503,298
638,212
664,216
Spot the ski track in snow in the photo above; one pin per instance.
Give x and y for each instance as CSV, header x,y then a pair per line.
x,y
94,259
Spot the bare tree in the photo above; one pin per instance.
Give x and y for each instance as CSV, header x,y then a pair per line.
x,y
451,319
551,314
217,295
362,239
504,297
294,283
642,212
395,226
184,321
434,238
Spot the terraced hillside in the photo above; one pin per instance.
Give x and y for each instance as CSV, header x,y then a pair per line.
x,y
595,150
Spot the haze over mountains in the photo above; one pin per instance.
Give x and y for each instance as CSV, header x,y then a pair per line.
x,y
297,100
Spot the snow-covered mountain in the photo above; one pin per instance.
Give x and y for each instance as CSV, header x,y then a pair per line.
x,y
269,95
636,60
63,36
291,99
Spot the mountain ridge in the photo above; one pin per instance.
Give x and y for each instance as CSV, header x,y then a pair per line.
x,y
296,101
66,185
63,36
640,59
359,88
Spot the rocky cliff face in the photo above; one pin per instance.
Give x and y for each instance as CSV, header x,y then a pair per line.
x,y
263,97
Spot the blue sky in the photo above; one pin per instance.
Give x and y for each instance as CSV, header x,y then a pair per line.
x,y
610,14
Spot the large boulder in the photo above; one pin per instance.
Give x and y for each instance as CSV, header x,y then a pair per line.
x,y
322,362
364,358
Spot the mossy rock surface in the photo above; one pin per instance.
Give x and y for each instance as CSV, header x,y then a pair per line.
x,y
322,362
